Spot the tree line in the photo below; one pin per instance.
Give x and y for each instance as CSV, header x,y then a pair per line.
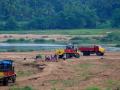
x,y
59,14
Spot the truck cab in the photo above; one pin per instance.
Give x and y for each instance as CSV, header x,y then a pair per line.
x,y
7,72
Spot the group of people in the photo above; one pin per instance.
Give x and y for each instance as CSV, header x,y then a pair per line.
x,y
48,58
51,58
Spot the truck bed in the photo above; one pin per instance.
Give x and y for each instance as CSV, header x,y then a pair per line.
x,y
90,49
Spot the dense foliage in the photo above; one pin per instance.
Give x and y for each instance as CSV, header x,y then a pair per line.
x,y
59,14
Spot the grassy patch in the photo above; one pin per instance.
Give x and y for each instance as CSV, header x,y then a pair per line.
x,y
83,71
63,32
93,88
24,73
69,60
85,40
54,82
83,66
68,83
56,89
53,89
17,49
113,83
85,75
21,88
113,37
65,83
86,66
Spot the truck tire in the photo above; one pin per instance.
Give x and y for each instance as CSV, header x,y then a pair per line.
x,y
61,56
5,81
86,53
13,79
76,55
67,55
99,54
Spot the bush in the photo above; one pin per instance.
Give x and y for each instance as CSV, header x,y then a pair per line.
x,y
39,40
51,41
77,38
43,41
12,50
11,40
111,37
21,40
118,45
39,56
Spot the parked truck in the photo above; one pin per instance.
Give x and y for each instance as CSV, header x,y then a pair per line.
x,y
98,50
69,52
7,73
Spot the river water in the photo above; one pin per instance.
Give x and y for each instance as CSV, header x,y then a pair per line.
x,y
29,46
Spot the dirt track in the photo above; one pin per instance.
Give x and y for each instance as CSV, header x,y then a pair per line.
x,y
74,74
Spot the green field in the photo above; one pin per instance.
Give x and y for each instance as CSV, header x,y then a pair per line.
x,y
63,32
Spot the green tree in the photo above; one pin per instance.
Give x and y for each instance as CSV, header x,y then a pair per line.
x,y
116,18
11,24
52,14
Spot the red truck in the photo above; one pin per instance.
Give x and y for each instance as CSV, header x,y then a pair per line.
x,y
98,50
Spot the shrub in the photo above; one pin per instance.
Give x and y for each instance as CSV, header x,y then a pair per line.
x,y
21,40
11,40
12,50
53,89
111,37
118,45
43,41
39,56
39,40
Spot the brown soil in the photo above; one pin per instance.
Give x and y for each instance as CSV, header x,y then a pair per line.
x,y
72,74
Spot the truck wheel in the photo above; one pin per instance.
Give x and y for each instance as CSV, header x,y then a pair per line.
x,y
5,82
61,56
99,54
76,55
13,79
86,53
67,56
